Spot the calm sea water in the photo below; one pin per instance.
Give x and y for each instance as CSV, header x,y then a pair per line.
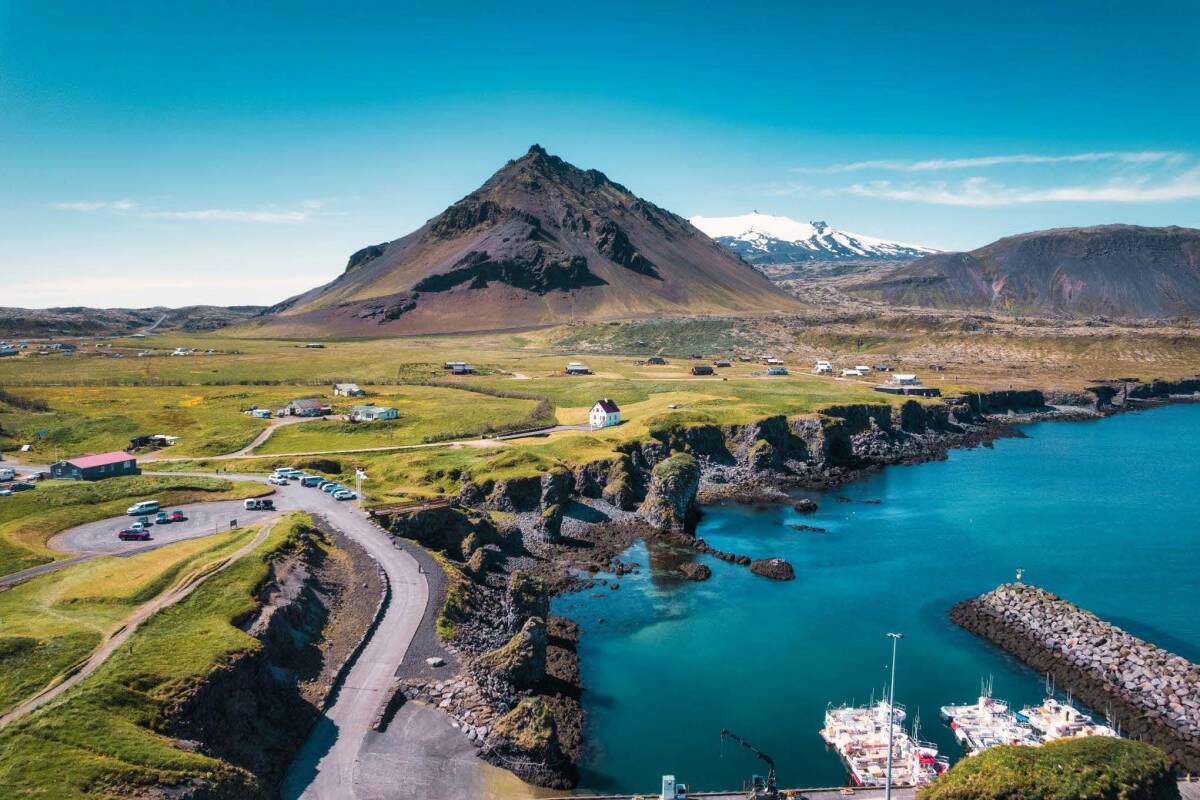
x,y
1102,513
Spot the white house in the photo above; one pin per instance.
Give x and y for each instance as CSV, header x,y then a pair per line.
x,y
370,413
604,414
902,379
347,390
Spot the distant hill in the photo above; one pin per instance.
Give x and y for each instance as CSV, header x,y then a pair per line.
x,y
765,239
1108,270
83,321
541,242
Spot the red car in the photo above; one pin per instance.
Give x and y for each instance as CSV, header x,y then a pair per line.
x,y
131,535
177,516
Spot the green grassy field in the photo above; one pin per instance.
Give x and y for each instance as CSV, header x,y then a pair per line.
x,y
100,739
54,621
29,519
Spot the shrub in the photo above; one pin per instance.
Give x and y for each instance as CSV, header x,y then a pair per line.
x,y
1097,768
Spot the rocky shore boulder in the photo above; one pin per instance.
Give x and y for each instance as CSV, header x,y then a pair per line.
x,y
670,503
526,597
520,662
774,568
805,506
694,571
526,742
619,488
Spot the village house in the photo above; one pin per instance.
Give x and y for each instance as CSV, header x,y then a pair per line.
x,y
657,361
604,414
308,407
347,390
95,466
576,368
722,362
702,370
372,413
907,384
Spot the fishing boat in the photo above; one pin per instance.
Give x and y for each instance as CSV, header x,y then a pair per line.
x,y
987,723
859,735
1057,720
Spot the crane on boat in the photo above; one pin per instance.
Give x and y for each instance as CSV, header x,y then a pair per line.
x,y
760,789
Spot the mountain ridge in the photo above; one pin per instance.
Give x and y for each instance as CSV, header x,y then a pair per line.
x,y
1104,270
539,242
769,239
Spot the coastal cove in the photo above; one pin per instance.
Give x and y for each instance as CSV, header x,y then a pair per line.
x,y
1097,512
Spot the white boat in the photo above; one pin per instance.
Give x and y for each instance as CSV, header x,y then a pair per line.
x,y
987,723
859,734
1057,720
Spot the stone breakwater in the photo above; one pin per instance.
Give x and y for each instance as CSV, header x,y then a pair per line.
x,y
1154,695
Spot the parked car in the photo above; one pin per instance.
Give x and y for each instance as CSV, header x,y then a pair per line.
x,y
140,526
178,516
331,488
5,492
277,480
259,504
144,507
161,518
344,494
133,535
21,486
311,481
323,484
144,521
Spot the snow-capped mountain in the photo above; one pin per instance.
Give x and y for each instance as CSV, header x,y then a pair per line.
x,y
765,239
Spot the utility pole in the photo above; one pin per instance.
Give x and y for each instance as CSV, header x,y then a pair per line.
x,y
887,791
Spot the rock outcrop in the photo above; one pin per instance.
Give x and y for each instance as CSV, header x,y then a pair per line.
x,y
526,742
670,502
521,662
774,568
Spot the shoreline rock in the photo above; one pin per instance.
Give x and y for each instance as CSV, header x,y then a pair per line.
x,y
777,569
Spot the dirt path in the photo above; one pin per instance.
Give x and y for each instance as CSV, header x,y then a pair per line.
x,y
144,612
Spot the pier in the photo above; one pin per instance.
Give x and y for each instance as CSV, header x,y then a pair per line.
x,y
1149,693
825,793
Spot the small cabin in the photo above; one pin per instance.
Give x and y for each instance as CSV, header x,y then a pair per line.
x,y
657,361
702,370
372,413
308,407
722,362
604,414
777,370
347,390
577,368
458,367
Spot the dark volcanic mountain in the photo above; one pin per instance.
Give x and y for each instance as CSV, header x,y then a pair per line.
x,y
540,242
1108,270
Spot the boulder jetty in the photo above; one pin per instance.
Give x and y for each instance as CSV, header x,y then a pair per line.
x,y
1152,694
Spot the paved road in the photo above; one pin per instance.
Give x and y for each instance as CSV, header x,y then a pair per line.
x,y
327,765
144,612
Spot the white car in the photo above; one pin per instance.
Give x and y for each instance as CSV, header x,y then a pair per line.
x,y
5,492
344,494
851,373
277,480
142,508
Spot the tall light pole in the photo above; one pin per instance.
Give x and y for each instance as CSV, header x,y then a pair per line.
x,y
887,791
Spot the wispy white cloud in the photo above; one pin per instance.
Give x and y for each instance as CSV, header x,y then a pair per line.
x,y
980,192
980,162
128,208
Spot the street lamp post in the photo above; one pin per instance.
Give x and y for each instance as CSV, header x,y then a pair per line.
x,y
887,791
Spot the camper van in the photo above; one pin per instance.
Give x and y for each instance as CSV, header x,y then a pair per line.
x,y
822,367
142,508
7,473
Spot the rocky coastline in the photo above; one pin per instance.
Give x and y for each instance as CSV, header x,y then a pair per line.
x,y
1154,695
507,546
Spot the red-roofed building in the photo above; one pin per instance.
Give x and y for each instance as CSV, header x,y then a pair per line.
x,y
96,466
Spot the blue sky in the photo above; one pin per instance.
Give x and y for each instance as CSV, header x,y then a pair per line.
x,y
171,153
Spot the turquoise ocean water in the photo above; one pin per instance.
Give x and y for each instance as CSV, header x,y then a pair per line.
x,y
1105,514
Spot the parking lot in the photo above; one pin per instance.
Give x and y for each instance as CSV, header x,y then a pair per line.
x,y
202,519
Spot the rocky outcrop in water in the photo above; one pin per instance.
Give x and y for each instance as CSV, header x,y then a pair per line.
x,y
1154,694
670,502
526,742
774,568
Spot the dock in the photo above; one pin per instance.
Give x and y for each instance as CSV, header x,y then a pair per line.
x,y
823,793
